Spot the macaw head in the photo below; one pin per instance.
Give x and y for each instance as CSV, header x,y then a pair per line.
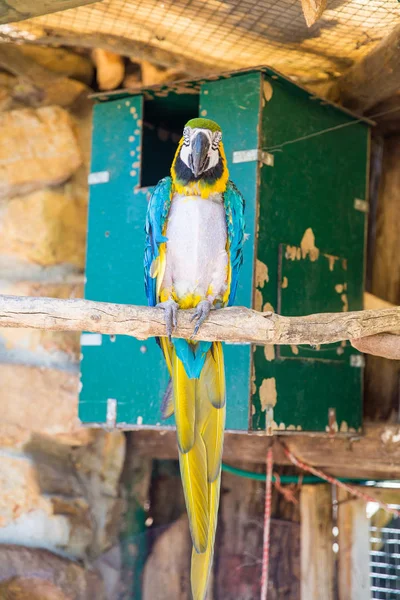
x,y
200,155
201,141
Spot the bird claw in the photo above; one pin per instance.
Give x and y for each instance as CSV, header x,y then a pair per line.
x,y
171,316
202,311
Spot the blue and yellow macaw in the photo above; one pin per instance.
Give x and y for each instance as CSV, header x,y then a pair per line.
x,y
193,254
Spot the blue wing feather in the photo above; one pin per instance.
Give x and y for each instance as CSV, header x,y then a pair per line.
x,y
157,212
234,209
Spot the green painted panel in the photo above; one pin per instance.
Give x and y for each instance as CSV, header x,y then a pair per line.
x,y
317,280
235,104
311,188
121,368
312,185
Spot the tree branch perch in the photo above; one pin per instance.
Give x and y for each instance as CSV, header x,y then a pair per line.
x,y
236,324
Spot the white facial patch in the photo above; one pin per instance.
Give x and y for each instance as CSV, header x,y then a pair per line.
x,y
190,134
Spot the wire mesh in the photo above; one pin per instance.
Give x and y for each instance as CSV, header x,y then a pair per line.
x,y
228,34
385,561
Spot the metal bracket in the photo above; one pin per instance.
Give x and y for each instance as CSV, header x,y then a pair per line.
x,y
99,177
269,419
241,156
357,360
111,417
91,339
361,205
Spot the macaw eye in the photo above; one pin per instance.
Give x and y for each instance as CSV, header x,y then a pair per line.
x,y
186,136
217,137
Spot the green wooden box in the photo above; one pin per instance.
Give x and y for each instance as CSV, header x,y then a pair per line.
x,y
301,164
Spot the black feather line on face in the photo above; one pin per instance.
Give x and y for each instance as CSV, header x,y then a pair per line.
x,y
185,175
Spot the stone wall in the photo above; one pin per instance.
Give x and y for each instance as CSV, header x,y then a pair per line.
x,y
60,505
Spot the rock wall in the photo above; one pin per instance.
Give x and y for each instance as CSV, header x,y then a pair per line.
x,y
60,504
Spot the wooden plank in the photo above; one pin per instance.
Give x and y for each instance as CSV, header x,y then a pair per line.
x,y
376,454
373,79
354,547
19,10
316,542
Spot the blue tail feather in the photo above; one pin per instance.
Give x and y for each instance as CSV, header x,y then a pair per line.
x,y
193,356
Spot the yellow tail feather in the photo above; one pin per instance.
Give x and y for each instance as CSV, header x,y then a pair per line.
x,y
195,487
200,420
210,410
213,376
201,563
185,405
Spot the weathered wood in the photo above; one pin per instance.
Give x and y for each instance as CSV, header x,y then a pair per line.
x,y
373,79
235,324
167,570
128,47
373,454
386,115
316,542
383,376
239,542
312,10
354,547
19,10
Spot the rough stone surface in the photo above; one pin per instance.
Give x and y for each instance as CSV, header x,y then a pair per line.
x,y
32,574
60,497
46,227
59,482
61,61
38,347
37,148
38,400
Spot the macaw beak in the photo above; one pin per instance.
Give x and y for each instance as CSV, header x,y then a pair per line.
x,y
198,157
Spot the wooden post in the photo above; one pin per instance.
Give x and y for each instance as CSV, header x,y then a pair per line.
x,y
382,375
316,542
354,546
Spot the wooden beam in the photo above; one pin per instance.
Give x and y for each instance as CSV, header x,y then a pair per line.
x,y
373,454
137,50
19,10
373,79
316,542
354,548
234,324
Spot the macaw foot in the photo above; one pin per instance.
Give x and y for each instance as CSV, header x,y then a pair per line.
x,y
202,311
171,311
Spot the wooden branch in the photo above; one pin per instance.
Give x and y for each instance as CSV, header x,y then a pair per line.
x,y
19,10
375,78
236,324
